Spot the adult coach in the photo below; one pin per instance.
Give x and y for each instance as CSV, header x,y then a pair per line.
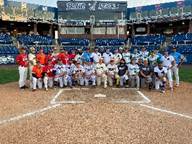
x,y
22,61
179,59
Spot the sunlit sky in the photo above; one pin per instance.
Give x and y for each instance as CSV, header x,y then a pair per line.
x,y
131,3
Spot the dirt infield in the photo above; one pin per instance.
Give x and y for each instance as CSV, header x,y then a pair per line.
x,y
29,117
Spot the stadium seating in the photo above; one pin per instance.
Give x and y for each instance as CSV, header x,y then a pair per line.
x,y
74,41
35,39
5,39
148,40
182,38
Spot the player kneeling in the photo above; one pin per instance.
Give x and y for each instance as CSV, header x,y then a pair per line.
x,y
101,70
112,71
146,72
90,74
78,74
60,71
122,74
37,76
134,70
160,74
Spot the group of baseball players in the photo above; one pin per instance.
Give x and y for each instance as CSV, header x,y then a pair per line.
x,y
121,68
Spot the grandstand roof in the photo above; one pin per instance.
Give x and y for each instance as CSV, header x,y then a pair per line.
x,y
131,3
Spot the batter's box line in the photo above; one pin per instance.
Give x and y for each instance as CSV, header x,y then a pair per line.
x,y
53,101
145,99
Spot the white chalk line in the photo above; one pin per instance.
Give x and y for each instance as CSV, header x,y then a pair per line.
x,y
29,114
167,111
145,98
16,118
53,101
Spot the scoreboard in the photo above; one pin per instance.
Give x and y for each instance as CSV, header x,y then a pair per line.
x,y
83,10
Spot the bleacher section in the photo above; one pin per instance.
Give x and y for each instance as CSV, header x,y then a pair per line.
x,y
182,38
148,40
35,39
8,54
5,39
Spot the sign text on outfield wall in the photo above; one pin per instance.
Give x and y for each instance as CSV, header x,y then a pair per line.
x,y
91,6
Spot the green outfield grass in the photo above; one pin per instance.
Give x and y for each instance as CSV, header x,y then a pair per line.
x,y
10,74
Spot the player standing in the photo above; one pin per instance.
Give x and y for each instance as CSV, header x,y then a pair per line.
x,y
168,62
179,59
23,63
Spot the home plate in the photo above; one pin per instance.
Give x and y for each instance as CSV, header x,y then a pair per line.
x,y
100,96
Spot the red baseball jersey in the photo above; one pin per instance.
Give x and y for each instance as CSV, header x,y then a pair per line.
x,y
21,59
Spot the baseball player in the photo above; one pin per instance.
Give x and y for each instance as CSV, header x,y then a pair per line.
x,y
101,70
32,62
135,54
153,57
60,71
146,72
112,71
23,63
96,55
68,75
90,74
78,56
122,73
144,53
37,76
117,56
168,62
48,71
86,56
127,56
179,59
63,56
160,74
78,74
134,70
41,57
107,56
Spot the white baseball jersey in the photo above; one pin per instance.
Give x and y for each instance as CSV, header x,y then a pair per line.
x,y
127,57
167,61
78,70
70,69
96,56
144,55
117,57
135,55
133,69
32,59
153,59
100,68
89,70
60,69
78,58
107,57
112,69
160,72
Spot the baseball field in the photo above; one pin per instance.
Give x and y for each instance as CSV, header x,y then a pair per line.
x,y
95,115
